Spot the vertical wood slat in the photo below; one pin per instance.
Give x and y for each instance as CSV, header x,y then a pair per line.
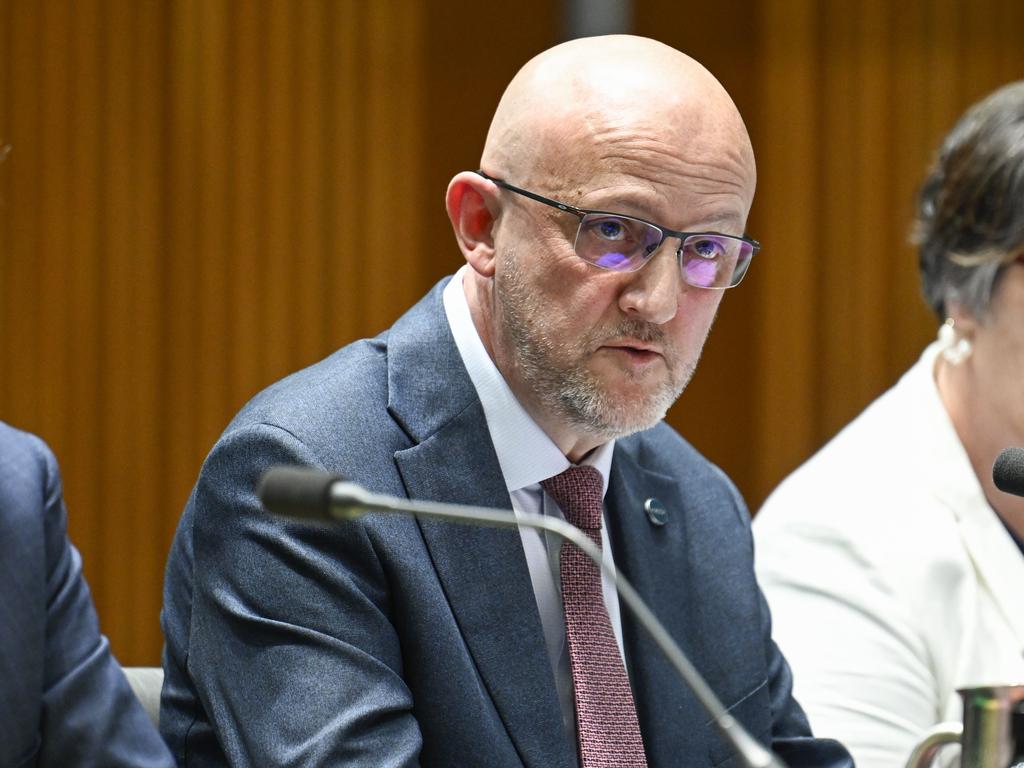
x,y
182,375
944,83
1011,20
210,182
5,186
308,157
145,545
391,161
248,159
19,335
277,205
789,220
840,158
119,425
81,460
348,241
52,223
907,317
864,257
852,280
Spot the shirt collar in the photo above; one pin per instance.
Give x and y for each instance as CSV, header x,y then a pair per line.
x,y
525,453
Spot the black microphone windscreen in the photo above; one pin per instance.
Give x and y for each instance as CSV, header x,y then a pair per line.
x,y
1008,471
297,492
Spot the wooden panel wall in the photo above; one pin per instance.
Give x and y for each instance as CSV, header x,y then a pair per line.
x,y
203,195
854,98
200,197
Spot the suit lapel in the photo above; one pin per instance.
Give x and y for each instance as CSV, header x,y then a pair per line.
x,y
667,711
940,464
483,570
997,559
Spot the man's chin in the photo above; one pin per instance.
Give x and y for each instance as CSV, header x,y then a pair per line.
x,y
623,390
618,415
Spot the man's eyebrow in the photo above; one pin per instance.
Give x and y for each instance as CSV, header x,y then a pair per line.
x,y
716,221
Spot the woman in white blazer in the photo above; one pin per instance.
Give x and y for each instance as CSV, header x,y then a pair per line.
x,y
893,567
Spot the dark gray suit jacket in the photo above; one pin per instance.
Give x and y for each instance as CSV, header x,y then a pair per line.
x,y
64,700
394,642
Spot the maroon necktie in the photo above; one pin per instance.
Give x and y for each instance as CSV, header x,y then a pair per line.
x,y
609,733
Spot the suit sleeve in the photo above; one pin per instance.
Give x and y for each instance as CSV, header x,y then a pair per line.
x,y
292,645
791,734
90,717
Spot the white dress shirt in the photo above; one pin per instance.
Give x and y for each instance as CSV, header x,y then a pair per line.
x,y
527,456
892,582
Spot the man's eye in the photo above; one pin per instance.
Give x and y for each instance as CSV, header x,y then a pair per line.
x,y
706,247
611,229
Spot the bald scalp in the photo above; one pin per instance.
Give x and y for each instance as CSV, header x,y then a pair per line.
x,y
569,104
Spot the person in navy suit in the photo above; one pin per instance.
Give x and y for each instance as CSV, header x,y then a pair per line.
x,y
608,214
64,700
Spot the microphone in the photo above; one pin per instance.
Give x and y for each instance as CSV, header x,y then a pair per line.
x,y
1008,471
309,494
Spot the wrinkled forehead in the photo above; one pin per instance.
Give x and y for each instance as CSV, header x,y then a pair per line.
x,y
677,156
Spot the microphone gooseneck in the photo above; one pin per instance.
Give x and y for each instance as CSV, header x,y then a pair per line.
x,y
324,497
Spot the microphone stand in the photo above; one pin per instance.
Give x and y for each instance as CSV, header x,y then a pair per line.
x,y
349,501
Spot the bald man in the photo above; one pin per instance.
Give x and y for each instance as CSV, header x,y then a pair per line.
x,y
606,218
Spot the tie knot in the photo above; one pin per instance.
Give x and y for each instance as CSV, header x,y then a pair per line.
x,y
578,491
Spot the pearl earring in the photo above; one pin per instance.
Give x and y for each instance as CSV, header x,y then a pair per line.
x,y
953,350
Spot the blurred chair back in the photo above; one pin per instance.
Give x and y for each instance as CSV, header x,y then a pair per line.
x,y
146,683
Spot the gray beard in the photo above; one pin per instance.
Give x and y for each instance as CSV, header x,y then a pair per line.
x,y
555,370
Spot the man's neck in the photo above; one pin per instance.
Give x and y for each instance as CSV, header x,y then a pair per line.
x,y
570,441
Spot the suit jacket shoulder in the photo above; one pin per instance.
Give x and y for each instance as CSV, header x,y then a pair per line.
x,y
63,698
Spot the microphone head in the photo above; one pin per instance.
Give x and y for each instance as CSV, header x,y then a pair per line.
x,y
1008,471
297,492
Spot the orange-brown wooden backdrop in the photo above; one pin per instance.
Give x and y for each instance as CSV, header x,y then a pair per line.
x,y
203,195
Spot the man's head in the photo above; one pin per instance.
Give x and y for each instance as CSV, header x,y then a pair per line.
x,y
620,124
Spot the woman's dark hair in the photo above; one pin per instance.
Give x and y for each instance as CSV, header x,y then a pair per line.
x,y
970,218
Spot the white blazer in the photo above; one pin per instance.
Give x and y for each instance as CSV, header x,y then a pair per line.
x,y
891,580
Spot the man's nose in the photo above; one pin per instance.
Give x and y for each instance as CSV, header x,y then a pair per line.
x,y
652,293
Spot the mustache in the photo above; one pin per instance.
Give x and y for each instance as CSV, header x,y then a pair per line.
x,y
640,330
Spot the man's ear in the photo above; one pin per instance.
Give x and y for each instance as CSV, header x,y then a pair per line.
x,y
472,208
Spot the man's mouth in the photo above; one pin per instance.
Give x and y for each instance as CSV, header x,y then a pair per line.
x,y
637,351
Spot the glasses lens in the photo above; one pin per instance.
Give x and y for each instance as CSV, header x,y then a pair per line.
x,y
617,243
622,244
715,261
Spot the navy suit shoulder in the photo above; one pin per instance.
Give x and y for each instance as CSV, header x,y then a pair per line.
x,y
63,698
329,621
331,409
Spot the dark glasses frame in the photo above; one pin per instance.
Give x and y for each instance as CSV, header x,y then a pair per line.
x,y
665,232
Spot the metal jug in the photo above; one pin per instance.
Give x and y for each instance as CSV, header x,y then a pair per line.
x,y
992,733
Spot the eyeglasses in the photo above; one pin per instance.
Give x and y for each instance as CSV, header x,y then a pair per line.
x,y
625,244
